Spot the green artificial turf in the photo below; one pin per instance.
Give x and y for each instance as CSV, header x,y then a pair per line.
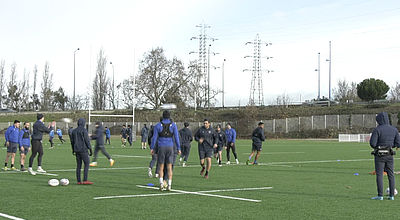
x,y
310,180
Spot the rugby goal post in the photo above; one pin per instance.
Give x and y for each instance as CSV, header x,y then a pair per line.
x,y
354,138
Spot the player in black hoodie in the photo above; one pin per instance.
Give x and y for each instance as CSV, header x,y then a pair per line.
x,y
80,144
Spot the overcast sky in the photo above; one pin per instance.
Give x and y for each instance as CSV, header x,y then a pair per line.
x,y
365,39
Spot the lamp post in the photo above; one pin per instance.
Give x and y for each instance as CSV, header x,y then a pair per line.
x,y
113,86
74,104
319,75
223,84
330,66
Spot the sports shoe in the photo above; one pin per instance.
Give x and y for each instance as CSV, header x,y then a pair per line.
x,y
168,188
93,164
13,169
202,171
30,171
227,163
156,175
255,163
87,182
79,183
112,162
40,170
206,176
220,164
161,186
184,164
5,168
237,161
391,197
150,174
23,169
180,159
247,162
377,198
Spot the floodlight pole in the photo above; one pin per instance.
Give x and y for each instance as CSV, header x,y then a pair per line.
x,y
74,104
330,68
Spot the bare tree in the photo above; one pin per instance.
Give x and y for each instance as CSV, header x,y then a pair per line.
x,y
283,100
161,80
345,91
127,92
2,82
395,92
47,86
99,87
35,96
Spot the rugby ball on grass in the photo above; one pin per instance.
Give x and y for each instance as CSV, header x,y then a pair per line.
x,y
64,182
53,182
388,191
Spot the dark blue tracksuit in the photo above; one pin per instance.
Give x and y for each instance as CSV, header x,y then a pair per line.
x,y
186,139
384,135
37,134
80,144
99,137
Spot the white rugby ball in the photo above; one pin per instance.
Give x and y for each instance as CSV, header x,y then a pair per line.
x,y
388,191
53,182
64,182
67,120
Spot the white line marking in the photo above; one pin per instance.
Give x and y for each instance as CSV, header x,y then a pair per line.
x,y
116,155
47,174
201,193
315,161
281,153
10,217
114,168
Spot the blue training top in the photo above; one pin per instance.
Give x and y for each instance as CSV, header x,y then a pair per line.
x,y
165,141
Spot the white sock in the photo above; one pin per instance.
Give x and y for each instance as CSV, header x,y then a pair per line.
x,y
161,181
169,182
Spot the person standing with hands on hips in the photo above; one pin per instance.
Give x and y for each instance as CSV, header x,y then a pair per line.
x,y
383,139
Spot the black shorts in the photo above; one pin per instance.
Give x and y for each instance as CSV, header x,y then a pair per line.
x,y
256,147
165,155
205,152
12,147
25,151
219,148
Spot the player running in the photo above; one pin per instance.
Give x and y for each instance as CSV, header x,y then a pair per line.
x,y
51,137
207,139
231,139
221,143
80,144
60,136
38,129
257,137
165,134
99,137
24,144
186,139
12,142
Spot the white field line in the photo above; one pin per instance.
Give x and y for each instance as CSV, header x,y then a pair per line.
x,y
10,172
10,217
47,174
281,153
201,193
242,164
128,156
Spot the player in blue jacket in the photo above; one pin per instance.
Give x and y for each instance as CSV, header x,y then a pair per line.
x,y
60,136
231,139
108,135
164,135
12,142
24,144
51,136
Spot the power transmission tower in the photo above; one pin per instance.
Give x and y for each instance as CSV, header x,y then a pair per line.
x,y
204,58
256,88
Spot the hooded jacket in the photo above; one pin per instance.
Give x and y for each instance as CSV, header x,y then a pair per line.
x,y
80,139
12,134
24,138
258,136
99,136
108,133
165,141
185,136
38,129
385,134
230,135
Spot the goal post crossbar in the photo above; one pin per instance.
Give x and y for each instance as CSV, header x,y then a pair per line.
x,y
113,116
